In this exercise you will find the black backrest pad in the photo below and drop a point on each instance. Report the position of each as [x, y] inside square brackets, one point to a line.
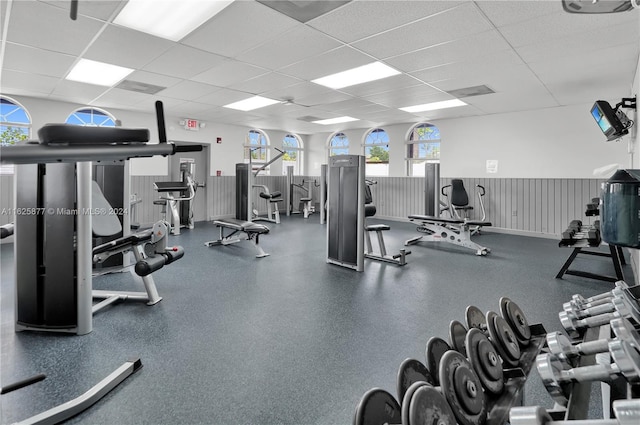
[69, 134]
[458, 193]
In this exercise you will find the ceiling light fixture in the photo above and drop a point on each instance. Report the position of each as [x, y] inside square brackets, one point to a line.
[335, 120]
[362, 74]
[99, 73]
[434, 106]
[168, 19]
[252, 103]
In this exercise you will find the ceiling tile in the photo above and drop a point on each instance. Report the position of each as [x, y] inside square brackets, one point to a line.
[265, 82]
[100, 9]
[77, 92]
[239, 27]
[562, 25]
[503, 13]
[30, 59]
[323, 98]
[125, 47]
[41, 84]
[450, 25]
[328, 63]
[153, 78]
[410, 96]
[223, 97]
[188, 90]
[292, 46]
[396, 82]
[228, 73]
[512, 101]
[360, 19]
[122, 98]
[183, 62]
[47, 27]
[459, 50]
[298, 91]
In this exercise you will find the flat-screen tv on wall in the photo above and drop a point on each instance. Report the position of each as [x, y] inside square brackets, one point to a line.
[613, 123]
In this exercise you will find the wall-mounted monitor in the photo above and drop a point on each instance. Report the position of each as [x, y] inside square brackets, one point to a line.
[613, 123]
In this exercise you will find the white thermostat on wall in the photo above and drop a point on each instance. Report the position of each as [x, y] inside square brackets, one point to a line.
[492, 166]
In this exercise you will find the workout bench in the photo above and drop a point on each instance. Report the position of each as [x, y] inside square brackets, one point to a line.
[451, 230]
[251, 231]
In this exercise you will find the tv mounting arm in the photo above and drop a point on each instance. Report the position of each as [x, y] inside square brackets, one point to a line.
[626, 102]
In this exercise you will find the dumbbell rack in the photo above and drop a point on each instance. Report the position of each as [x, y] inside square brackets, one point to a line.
[512, 395]
[579, 245]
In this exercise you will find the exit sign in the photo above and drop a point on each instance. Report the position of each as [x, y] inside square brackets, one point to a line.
[192, 125]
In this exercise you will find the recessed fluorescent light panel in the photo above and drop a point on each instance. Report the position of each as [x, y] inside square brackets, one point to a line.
[251, 103]
[99, 73]
[170, 19]
[335, 120]
[434, 106]
[362, 74]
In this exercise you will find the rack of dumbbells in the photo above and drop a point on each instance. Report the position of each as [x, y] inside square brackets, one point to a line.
[580, 237]
[474, 378]
[603, 345]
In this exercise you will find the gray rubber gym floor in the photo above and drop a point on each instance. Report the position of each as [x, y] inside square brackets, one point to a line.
[286, 339]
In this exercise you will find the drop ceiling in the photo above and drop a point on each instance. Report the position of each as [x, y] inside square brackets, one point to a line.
[531, 54]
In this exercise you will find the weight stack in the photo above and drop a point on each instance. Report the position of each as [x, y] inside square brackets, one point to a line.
[620, 212]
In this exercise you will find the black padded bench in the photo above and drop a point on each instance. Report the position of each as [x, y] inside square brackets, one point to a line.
[240, 230]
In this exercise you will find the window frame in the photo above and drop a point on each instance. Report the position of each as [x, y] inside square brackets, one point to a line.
[109, 121]
[298, 168]
[410, 142]
[368, 145]
[331, 147]
[25, 127]
[248, 145]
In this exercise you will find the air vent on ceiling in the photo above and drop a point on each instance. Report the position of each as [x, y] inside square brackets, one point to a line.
[139, 87]
[303, 10]
[470, 91]
[309, 118]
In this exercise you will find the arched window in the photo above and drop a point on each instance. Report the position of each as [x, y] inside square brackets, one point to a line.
[91, 117]
[376, 152]
[338, 144]
[256, 150]
[15, 126]
[292, 146]
[423, 145]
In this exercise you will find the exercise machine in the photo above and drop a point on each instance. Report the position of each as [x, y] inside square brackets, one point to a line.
[450, 230]
[245, 183]
[370, 210]
[345, 218]
[178, 209]
[306, 200]
[54, 180]
[458, 200]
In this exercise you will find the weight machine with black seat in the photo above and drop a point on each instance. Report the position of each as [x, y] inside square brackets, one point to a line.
[178, 209]
[458, 202]
[307, 186]
[54, 181]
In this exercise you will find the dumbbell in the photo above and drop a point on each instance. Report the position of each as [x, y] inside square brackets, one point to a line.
[626, 412]
[557, 375]
[574, 326]
[603, 305]
[580, 302]
[459, 384]
[481, 354]
[571, 230]
[560, 346]
[499, 331]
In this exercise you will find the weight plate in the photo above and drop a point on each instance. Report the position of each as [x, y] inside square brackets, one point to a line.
[485, 361]
[429, 407]
[462, 389]
[406, 404]
[549, 368]
[410, 372]
[436, 347]
[377, 407]
[457, 334]
[503, 339]
[475, 318]
[514, 316]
